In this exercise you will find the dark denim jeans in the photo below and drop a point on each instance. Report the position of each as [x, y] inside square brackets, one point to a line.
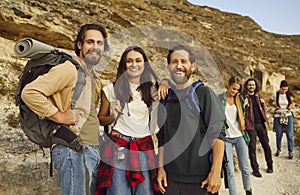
[261, 132]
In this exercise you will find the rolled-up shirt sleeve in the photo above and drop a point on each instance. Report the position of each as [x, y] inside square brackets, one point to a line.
[52, 91]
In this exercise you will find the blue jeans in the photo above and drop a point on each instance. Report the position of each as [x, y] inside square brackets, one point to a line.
[76, 168]
[242, 154]
[289, 130]
[120, 184]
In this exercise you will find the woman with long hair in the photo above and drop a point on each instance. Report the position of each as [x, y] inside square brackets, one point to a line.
[236, 136]
[128, 105]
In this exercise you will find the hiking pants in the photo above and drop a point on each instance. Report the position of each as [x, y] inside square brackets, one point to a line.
[261, 132]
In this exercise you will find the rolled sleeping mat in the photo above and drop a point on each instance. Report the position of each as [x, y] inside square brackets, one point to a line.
[33, 49]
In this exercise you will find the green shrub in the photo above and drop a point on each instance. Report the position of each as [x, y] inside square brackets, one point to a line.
[13, 120]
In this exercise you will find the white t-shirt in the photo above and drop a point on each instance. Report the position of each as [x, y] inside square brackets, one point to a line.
[231, 118]
[134, 121]
[283, 103]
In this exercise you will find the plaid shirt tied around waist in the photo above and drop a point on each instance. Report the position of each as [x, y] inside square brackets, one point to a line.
[133, 169]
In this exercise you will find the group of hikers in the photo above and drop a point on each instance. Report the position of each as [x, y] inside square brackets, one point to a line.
[194, 127]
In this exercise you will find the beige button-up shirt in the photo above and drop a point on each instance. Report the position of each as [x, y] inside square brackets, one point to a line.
[53, 92]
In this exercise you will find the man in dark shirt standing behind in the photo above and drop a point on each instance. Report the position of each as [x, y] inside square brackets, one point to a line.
[184, 147]
[254, 108]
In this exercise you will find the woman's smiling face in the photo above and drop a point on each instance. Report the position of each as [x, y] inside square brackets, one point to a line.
[233, 89]
[135, 64]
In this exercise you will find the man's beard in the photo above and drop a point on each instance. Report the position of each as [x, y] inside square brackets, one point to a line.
[250, 90]
[181, 80]
[90, 59]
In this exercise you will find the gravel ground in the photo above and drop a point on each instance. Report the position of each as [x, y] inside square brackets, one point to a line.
[286, 177]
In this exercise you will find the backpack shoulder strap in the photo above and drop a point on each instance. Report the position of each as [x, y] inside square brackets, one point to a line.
[194, 105]
[288, 96]
[68, 57]
[191, 102]
[165, 101]
[80, 83]
[277, 98]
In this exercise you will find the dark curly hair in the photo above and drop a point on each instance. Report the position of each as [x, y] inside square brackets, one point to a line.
[257, 84]
[81, 35]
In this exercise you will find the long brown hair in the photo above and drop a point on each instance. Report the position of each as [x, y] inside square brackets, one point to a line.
[122, 87]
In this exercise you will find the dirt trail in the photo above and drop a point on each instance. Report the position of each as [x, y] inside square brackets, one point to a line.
[286, 177]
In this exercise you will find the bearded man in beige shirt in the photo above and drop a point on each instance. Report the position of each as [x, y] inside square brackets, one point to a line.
[50, 96]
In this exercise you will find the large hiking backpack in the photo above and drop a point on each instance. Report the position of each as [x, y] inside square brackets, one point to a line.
[45, 132]
[196, 110]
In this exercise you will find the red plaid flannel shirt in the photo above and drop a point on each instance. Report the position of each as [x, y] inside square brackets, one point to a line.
[133, 173]
[248, 110]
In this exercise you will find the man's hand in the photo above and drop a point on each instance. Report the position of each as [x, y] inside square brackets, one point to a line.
[69, 117]
[162, 180]
[212, 182]
[163, 89]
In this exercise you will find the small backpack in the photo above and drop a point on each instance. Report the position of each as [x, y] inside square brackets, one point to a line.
[45, 132]
[288, 97]
[283, 119]
[195, 108]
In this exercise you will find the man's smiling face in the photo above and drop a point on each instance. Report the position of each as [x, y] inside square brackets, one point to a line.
[180, 67]
[92, 48]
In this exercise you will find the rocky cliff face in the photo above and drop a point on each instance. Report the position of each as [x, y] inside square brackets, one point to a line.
[233, 45]
[235, 42]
